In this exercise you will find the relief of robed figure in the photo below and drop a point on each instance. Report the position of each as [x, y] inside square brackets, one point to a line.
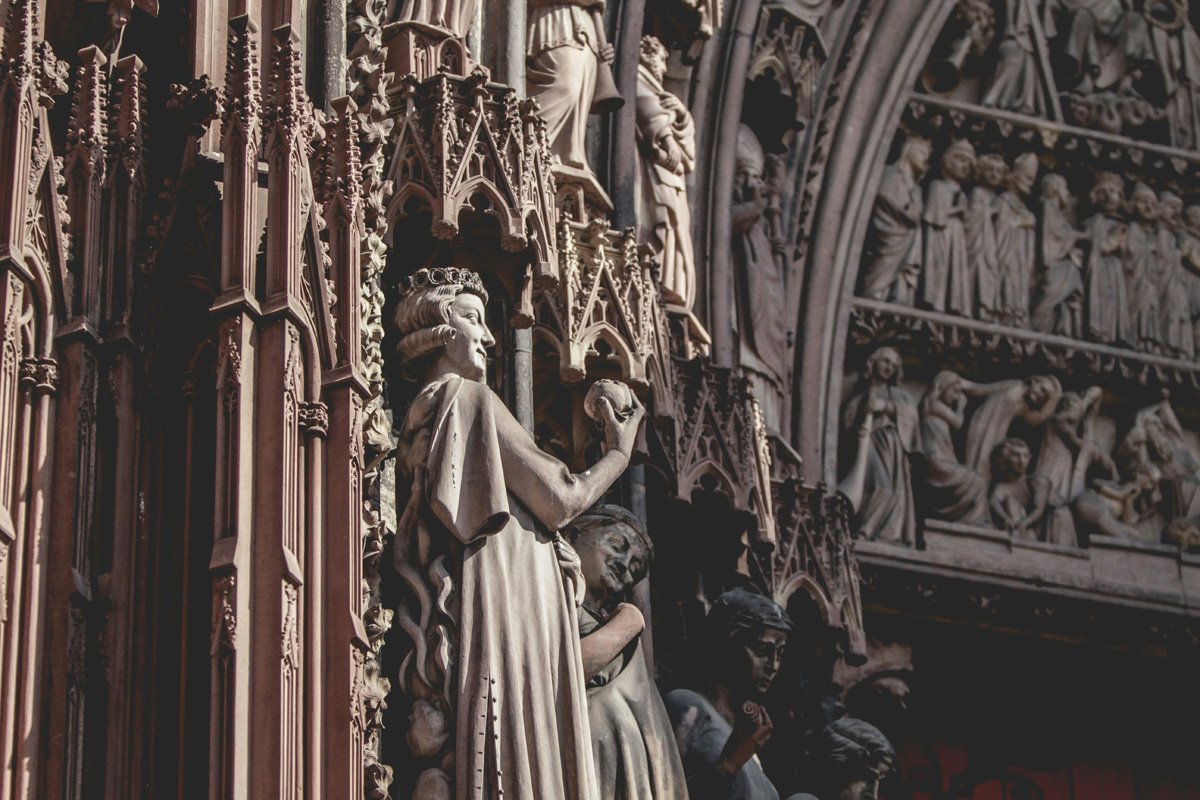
[491, 590]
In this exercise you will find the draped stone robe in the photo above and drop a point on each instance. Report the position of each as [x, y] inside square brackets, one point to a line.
[1106, 297]
[895, 245]
[664, 218]
[1060, 291]
[636, 754]
[948, 280]
[521, 706]
[1016, 253]
[888, 508]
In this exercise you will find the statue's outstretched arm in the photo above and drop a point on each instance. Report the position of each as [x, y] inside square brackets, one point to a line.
[544, 484]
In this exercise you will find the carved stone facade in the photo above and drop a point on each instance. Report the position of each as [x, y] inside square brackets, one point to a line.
[345, 346]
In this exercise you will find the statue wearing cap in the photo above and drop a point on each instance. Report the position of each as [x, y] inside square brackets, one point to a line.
[721, 729]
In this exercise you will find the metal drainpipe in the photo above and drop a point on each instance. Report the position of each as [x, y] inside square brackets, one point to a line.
[505, 27]
[623, 157]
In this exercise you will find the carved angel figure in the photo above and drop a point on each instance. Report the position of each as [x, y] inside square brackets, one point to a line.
[894, 244]
[666, 137]
[947, 281]
[491, 609]
[887, 511]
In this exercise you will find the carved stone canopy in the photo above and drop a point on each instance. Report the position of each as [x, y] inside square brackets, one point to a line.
[464, 147]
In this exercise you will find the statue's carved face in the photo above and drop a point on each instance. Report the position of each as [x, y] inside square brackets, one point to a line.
[1146, 205]
[885, 365]
[1171, 208]
[612, 558]
[1022, 181]
[748, 177]
[917, 154]
[1193, 217]
[991, 171]
[467, 351]
[957, 165]
[760, 656]
[1038, 391]
[1012, 461]
[1107, 196]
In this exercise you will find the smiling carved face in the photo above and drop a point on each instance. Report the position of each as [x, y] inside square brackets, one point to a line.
[612, 557]
[467, 350]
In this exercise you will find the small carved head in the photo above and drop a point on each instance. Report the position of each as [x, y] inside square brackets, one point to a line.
[1170, 208]
[750, 161]
[1193, 219]
[1109, 192]
[441, 313]
[915, 152]
[858, 756]
[885, 366]
[614, 550]
[947, 387]
[1010, 460]
[1054, 188]
[1024, 174]
[990, 170]
[1144, 202]
[1040, 388]
[750, 632]
[959, 160]
[653, 56]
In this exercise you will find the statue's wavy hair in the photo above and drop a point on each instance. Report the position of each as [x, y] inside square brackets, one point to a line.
[422, 318]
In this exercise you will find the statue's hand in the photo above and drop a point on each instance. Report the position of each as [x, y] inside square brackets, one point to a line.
[571, 566]
[751, 730]
[607, 53]
[620, 433]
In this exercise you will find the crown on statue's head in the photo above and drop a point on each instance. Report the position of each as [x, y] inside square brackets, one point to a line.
[430, 277]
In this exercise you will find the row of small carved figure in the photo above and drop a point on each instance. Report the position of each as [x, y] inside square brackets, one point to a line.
[908, 464]
[1115, 64]
[968, 244]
